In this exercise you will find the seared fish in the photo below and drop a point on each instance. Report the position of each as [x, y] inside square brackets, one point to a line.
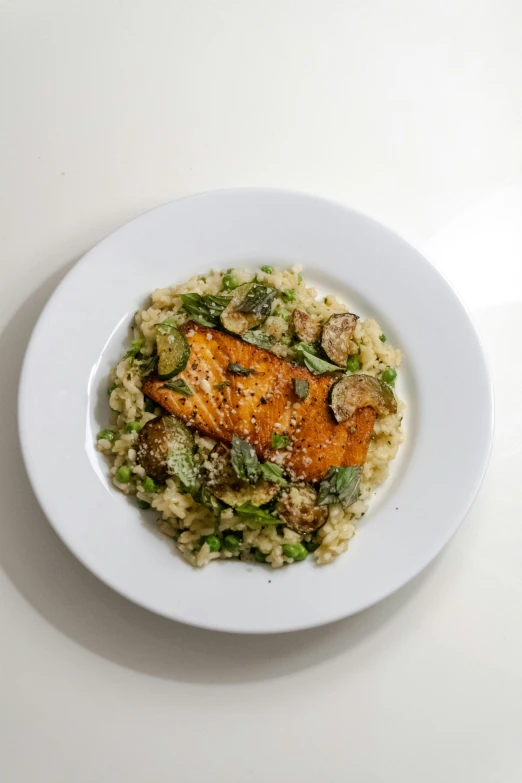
[256, 405]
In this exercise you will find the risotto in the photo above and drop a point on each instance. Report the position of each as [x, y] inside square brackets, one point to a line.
[276, 511]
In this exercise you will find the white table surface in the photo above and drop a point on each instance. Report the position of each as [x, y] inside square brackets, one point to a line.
[408, 110]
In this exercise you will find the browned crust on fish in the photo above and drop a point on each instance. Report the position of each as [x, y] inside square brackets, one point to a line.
[264, 402]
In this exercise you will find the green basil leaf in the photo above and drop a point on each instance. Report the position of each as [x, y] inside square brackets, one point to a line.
[244, 460]
[318, 366]
[301, 388]
[222, 385]
[258, 300]
[182, 466]
[166, 326]
[299, 350]
[238, 369]
[280, 441]
[136, 346]
[261, 339]
[273, 473]
[201, 495]
[340, 485]
[204, 309]
[256, 516]
[179, 385]
[149, 365]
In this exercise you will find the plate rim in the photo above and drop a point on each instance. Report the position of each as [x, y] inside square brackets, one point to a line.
[252, 191]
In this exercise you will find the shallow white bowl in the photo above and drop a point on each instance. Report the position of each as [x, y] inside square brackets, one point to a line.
[81, 334]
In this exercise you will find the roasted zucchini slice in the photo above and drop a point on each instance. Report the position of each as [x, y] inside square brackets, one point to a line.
[298, 509]
[306, 329]
[173, 352]
[221, 480]
[336, 336]
[361, 391]
[249, 307]
[165, 448]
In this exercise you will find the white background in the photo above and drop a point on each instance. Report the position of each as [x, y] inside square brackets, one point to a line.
[408, 110]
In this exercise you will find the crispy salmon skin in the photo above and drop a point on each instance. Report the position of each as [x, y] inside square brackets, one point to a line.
[256, 405]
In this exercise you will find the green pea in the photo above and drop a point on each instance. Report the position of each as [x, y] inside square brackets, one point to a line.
[150, 405]
[353, 364]
[231, 543]
[296, 551]
[230, 282]
[288, 295]
[105, 435]
[259, 556]
[149, 485]
[284, 314]
[382, 338]
[143, 504]
[311, 545]
[133, 426]
[389, 376]
[267, 269]
[214, 544]
[123, 474]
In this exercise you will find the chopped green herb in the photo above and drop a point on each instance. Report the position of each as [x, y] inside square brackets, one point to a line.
[259, 556]
[268, 270]
[143, 504]
[382, 338]
[166, 326]
[299, 278]
[111, 389]
[288, 295]
[318, 366]
[204, 309]
[299, 350]
[179, 386]
[340, 485]
[136, 346]
[353, 429]
[149, 365]
[280, 441]
[256, 516]
[261, 339]
[311, 545]
[201, 495]
[301, 388]
[273, 473]
[258, 300]
[150, 405]
[238, 369]
[182, 465]
[222, 385]
[244, 460]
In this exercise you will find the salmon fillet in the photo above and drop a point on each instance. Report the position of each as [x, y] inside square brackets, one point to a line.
[264, 402]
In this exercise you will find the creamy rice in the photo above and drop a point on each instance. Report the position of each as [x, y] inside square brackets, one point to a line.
[180, 517]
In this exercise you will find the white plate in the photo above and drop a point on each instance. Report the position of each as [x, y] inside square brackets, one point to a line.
[444, 379]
